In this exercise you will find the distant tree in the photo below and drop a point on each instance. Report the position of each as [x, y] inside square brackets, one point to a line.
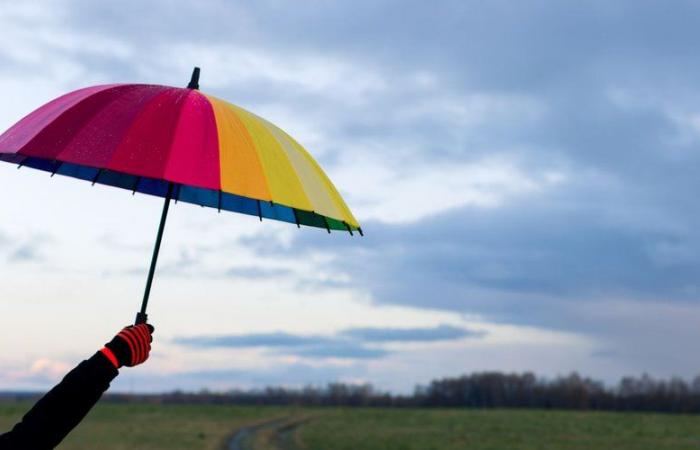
[476, 390]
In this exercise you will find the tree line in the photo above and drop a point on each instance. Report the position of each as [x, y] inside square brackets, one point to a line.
[477, 390]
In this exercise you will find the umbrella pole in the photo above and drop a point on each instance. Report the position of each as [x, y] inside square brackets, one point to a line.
[142, 317]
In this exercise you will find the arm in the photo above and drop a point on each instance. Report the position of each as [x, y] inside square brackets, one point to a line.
[64, 406]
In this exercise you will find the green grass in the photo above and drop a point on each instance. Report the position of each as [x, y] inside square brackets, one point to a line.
[499, 430]
[112, 427]
[150, 427]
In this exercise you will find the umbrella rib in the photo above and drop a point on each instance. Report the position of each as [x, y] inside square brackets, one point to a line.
[97, 175]
[296, 217]
[219, 204]
[177, 193]
[325, 221]
[348, 227]
[58, 166]
[259, 210]
[136, 185]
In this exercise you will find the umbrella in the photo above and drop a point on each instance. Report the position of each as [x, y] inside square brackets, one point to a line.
[178, 144]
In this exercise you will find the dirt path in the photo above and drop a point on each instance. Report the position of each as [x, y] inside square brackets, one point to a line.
[275, 434]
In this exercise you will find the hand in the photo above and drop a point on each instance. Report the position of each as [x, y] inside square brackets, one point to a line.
[130, 347]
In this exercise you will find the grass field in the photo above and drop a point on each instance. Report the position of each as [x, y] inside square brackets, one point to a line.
[112, 427]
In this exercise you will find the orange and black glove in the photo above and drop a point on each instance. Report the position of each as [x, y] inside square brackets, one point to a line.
[130, 347]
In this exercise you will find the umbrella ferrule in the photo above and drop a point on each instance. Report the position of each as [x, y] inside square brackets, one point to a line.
[194, 81]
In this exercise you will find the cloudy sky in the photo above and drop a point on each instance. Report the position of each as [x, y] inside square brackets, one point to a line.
[527, 174]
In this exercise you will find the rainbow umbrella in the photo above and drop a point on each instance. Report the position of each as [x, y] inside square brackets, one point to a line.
[178, 144]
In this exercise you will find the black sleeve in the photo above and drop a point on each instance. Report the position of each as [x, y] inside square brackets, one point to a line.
[62, 408]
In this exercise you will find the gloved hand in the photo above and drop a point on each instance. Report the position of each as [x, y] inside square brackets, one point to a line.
[130, 347]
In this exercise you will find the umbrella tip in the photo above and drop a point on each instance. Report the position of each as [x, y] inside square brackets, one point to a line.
[194, 81]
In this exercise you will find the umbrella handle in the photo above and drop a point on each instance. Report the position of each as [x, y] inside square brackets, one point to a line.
[141, 318]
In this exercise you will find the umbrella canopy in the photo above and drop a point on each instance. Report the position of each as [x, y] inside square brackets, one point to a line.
[178, 144]
[144, 137]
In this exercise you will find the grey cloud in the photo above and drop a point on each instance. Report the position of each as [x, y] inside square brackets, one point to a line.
[352, 343]
[528, 264]
[285, 343]
[252, 272]
[31, 248]
[253, 340]
[541, 35]
[439, 333]
[24, 253]
[341, 349]
[626, 277]
[185, 264]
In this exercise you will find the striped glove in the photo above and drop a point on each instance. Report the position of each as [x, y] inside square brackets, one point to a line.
[130, 347]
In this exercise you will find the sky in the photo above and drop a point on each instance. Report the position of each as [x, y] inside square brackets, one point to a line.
[526, 174]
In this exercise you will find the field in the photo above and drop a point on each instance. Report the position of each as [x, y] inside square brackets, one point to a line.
[172, 427]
